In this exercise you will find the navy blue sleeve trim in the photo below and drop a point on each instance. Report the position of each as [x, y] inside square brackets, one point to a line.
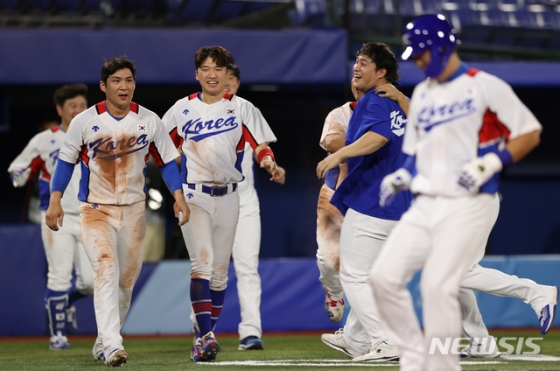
[410, 164]
[62, 176]
[171, 176]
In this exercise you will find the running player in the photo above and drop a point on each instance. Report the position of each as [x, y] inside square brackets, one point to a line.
[459, 120]
[212, 128]
[113, 141]
[64, 250]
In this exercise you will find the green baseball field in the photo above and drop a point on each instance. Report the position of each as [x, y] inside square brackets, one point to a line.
[294, 351]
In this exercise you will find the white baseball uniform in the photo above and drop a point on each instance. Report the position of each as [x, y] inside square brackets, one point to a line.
[329, 218]
[212, 138]
[449, 125]
[64, 249]
[245, 253]
[113, 153]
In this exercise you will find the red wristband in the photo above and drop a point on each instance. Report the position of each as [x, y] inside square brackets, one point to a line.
[265, 152]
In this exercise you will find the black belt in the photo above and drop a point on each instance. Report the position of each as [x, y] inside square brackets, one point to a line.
[214, 191]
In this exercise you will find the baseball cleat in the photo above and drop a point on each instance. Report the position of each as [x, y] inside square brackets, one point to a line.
[337, 342]
[251, 343]
[380, 352]
[484, 349]
[117, 358]
[548, 312]
[334, 307]
[210, 347]
[59, 342]
[196, 351]
[97, 351]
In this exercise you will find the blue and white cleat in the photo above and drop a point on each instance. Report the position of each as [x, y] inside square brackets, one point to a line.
[210, 347]
[548, 312]
[251, 343]
[59, 342]
[196, 351]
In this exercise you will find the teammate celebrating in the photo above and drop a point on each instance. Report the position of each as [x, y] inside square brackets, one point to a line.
[212, 128]
[459, 119]
[113, 141]
[372, 150]
[64, 250]
[247, 242]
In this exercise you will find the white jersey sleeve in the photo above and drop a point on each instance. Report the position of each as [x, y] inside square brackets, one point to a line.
[336, 122]
[254, 121]
[507, 106]
[30, 158]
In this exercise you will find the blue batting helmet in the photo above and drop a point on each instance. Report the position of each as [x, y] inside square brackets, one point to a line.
[430, 31]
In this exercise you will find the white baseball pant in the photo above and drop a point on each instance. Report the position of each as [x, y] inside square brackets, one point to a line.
[361, 240]
[246, 248]
[329, 224]
[209, 235]
[443, 236]
[495, 282]
[113, 238]
[64, 251]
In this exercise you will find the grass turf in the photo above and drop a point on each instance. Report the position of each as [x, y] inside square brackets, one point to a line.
[282, 352]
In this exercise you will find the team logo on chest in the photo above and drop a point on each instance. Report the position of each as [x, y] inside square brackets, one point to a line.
[107, 149]
[434, 115]
[197, 129]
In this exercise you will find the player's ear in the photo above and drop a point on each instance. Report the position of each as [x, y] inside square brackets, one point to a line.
[102, 87]
[59, 110]
[381, 73]
[196, 74]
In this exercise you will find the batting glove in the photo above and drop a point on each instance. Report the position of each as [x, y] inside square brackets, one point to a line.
[393, 184]
[19, 178]
[477, 172]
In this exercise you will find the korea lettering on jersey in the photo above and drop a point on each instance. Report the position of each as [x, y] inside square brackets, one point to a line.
[204, 130]
[336, 122]
[113, 153]
[40, 155]
[454, 122]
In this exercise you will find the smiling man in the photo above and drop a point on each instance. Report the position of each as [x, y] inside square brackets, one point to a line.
[372, 150]
[113, 141]
[211, 128]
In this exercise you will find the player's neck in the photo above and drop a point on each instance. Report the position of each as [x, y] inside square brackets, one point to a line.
[117, 111]
[64, 126]
[209, 98]
[452, 66]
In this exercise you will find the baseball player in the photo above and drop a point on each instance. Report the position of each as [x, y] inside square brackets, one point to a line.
[113, 141]
[247, 243]
[64, 250]
[212, 128]
[459, 120]
[372, 150]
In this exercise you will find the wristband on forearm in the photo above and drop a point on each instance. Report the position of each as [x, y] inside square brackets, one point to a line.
[505, 156]
[265, 152]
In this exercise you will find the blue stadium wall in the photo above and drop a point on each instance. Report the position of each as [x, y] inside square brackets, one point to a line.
[292, 298]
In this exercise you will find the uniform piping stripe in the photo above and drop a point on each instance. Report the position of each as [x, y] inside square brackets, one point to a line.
[193, 96]
[134, 107]
[56, 128]
[249, 137]
[228, 96]
[472, 71]
[155, 154]
[492, 129]
[175, 137]
[353, 105]
[100, 108]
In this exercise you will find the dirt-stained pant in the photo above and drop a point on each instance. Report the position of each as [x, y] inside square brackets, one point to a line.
[329, 224]
[113, 238]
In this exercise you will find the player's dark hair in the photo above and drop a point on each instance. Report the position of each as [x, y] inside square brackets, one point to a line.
[114, 64]
[219, 55]
[383, 56]
[235, 71]
[62, 94]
